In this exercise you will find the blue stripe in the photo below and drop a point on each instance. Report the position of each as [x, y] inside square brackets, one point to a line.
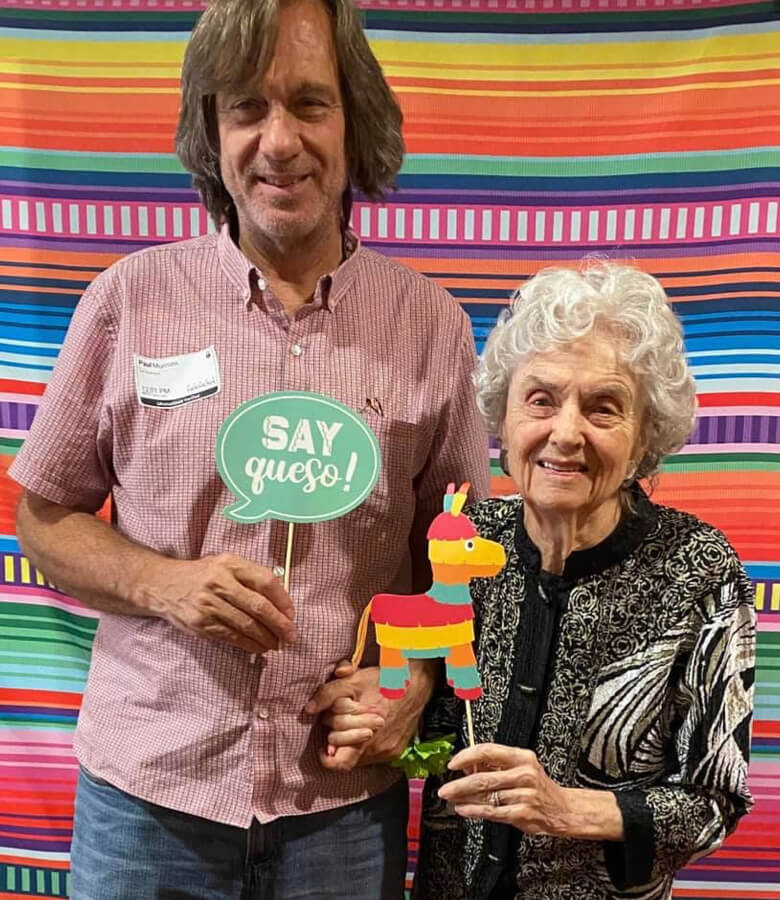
[730, 342]
[565, 32]
[23, 351]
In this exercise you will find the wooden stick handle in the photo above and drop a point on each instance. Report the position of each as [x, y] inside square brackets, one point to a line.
[469, 723]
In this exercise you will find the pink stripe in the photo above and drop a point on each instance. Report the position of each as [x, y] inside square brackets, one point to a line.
[739, 411]
[730, 448]
[88, 218]
[19, 398]
[41, 739]
[55, 757]
[485, 6]
[43, 773]
[33, 598]
[481, 224]
[43, 786]
[13, 433]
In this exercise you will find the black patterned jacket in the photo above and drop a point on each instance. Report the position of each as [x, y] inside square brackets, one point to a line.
[650, 695]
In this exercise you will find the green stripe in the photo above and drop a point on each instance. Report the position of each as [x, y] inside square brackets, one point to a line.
[10, 446]
[722, 462]
[10, 659]
[41, 647]
[61, 636]
[95, 162]
[585, 19]
[595, 166]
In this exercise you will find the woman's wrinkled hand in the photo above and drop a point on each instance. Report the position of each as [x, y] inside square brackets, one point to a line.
[508, 785]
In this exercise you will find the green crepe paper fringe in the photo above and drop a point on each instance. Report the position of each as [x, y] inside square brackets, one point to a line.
[424, 758]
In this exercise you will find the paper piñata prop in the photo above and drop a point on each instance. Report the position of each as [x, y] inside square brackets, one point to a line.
[439, 623]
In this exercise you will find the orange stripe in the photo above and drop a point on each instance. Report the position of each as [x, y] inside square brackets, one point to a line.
[514, 83]
[592, 142]
[53, 272]
[46, 289]
[32, 254]
[87, 142]
[566, 108]
[679, 265]
[87, 81]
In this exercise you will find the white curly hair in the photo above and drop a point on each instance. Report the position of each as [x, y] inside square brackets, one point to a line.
[558, 306]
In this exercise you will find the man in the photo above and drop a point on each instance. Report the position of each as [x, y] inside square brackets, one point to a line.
[205, 771]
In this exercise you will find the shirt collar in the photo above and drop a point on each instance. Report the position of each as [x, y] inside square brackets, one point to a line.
[247, 277]
[628, 534]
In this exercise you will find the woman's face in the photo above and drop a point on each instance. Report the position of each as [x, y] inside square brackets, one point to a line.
[572, 428]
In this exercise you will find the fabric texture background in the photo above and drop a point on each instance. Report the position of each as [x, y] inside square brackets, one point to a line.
[537, 131]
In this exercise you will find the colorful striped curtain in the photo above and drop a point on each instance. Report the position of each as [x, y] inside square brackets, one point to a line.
[537, 131]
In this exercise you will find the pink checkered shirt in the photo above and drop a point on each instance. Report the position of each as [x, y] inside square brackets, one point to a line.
[178, 720]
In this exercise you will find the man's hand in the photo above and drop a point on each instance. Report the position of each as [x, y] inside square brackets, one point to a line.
[225, 598]
[364, 727]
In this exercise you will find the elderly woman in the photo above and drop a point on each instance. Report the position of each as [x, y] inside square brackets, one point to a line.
[617, 646]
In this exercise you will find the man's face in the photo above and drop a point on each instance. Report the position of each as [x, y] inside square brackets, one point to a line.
[282, 153]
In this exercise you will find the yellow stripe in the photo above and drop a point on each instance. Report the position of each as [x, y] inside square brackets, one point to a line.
[424, 638]
[9, 569]
[88, 89]
[139, 53]
[590, 92]
[75, 70]
[516, 73]
[39, 579]
[774, 603]
[24, 570]
[726, 52]
[760, 588]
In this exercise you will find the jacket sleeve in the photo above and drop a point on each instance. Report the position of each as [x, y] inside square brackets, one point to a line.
[458, 453]
[690, 813]
[439, 874]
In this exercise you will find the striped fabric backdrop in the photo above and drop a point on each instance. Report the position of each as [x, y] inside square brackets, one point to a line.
[537, 130]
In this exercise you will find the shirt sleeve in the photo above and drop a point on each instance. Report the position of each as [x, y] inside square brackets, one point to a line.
[459, 452]
[66, 457]
[689, 815]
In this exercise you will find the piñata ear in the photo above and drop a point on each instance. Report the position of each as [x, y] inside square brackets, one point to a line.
[459, 499]
[449, 496]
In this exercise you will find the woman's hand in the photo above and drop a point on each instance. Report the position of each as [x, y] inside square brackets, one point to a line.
[508, 785]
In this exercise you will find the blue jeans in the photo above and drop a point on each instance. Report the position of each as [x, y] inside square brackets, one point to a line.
[125, 848]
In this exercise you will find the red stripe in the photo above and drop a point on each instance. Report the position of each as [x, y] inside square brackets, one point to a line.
[417, 610]
[747, 398]
[21, 387]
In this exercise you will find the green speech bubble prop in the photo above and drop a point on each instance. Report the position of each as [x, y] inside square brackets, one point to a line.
[296, 456]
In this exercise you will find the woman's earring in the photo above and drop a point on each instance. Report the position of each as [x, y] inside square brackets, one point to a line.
[502, 461]
[630, 473]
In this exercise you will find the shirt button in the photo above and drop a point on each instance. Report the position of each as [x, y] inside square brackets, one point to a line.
[262, 712]
[262, 283]
[278, 571]
[296, 349]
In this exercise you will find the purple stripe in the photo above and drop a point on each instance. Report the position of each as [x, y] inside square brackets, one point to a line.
[735, 430]
[38, 711]
[80, 246]
[53, 833]
[16, 415]
[109, 194]
[61, 846]
[623, 250]
[602, 198]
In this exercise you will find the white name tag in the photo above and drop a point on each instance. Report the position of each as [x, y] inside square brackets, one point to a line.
[176, 380]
